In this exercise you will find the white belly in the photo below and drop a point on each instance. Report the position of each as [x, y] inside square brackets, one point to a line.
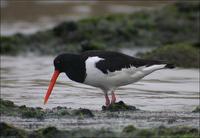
[112, 80]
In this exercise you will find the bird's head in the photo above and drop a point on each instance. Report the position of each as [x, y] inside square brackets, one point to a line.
[62, 63]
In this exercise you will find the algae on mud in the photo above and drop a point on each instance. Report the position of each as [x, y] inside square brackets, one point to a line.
[10, 109]
[181, 54]
[50, 129]
[119, 106]
[10, 131]
[175, 23]
[128, 132]
[197, 109]
[119, 115]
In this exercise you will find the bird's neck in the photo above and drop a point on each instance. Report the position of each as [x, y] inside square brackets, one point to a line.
[77, 71]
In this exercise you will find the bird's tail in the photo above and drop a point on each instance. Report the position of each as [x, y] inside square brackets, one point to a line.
[169, 66]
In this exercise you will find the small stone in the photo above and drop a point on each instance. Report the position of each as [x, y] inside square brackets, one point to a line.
[22, 107]
[84, 113]
[129, 128]
[197, 109]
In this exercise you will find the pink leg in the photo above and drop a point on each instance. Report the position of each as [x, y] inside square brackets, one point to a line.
[113, 97]
[107, 100]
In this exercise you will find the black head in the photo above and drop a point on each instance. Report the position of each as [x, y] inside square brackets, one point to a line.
[64, 62]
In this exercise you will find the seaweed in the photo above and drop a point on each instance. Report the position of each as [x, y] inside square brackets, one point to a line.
[10, 109]
[181, 54]
[174, 23]
[128, 132]
[119, 106]
[197, 109]
[83, 113]
[10, 131]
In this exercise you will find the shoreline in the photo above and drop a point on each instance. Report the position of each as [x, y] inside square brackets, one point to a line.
[67, 118]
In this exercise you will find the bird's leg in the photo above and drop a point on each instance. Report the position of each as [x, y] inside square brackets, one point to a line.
[107, 100]
[113, 97]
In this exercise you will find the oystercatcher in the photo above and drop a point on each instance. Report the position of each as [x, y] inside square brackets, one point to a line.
[105, 70]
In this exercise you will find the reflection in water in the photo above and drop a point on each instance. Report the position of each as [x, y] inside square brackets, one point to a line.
[47, 13]
[24, 80]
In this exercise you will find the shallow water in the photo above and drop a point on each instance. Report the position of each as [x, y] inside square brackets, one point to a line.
[24, 80]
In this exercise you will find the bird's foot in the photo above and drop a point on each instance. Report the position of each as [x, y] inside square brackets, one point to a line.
[113, 98]
[107, 102]
[113, 101]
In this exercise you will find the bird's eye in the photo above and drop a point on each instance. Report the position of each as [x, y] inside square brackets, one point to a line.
[58, 62]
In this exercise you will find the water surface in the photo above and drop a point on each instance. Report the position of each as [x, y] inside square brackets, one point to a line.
[24, 80]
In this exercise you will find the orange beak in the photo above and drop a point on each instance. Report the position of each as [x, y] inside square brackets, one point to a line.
[51, 85]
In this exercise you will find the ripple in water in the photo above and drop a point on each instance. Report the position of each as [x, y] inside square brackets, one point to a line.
[24, 80]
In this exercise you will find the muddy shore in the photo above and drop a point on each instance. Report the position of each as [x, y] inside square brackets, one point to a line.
[121, 122]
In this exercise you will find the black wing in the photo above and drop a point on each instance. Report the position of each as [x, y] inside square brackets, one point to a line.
[114, 61]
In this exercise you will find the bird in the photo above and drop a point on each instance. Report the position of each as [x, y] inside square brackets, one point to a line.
[107, 70]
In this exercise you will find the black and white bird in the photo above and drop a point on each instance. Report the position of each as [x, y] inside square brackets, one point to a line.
[105, 70]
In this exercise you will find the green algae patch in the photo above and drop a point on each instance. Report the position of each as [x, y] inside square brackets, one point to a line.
[52, 132]
[177, 132]
[90, 45]
[129, 129]
[61, 111]
[10, 131]
[197, 109]
[12, 44]
[32, 113]
[49, 132]
[10, 109]
[182, 55]
[119, 106]
[83, 113]
[7, 103]
[143, 133]
[173, 23]
[128, 132]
